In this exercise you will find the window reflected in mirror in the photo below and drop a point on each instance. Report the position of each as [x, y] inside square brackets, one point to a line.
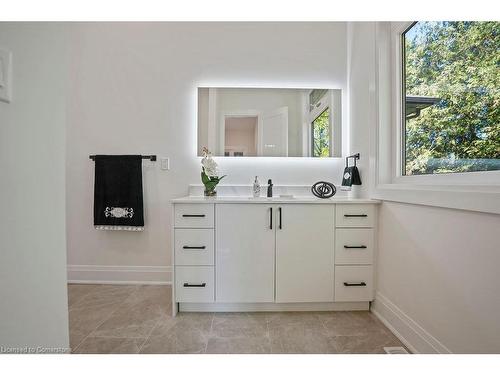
[321, 135]
[321, 123]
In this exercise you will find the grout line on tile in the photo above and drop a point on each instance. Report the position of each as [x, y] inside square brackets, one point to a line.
[99, 324]
[151, 331]
[81, 297]
[323, 324]
[210, 333]
[98, 292]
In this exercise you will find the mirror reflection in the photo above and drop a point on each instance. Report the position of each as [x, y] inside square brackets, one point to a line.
[247, 122]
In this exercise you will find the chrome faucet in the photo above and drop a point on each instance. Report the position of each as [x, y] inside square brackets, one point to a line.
[269, 188]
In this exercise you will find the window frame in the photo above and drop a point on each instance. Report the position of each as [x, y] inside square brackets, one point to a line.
[398, 30]
[475, 191]
[330, 100]
[324, 104]
[403, 98]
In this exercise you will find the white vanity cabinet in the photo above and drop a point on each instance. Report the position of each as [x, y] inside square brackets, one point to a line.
[240, 254]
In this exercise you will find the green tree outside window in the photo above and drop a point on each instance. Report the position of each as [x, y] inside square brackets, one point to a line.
[458, 63]
[321, 135]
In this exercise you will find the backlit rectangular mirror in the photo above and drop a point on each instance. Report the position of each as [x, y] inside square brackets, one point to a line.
[249, 122]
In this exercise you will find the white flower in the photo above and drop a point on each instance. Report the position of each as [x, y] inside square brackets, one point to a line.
[209, 164]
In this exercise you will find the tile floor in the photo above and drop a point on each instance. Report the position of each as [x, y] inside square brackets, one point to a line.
[137, 319]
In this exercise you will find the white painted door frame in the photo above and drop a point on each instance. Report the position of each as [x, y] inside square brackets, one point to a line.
[242, 113]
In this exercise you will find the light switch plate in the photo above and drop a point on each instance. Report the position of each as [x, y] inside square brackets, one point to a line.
[5, 75]
[165, 164]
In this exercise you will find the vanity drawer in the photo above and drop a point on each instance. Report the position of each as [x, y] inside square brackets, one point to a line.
[354, 245]
[194, 247]
[194, 215]
[353, 283]
[355, 215]
[194, 284]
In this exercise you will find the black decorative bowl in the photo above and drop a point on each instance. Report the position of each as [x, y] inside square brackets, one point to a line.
[323, 189]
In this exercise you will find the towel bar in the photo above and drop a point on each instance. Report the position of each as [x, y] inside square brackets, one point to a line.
[355, 157]
[150, 157]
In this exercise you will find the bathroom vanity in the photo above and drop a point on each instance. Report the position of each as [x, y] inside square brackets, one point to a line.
[271, 254]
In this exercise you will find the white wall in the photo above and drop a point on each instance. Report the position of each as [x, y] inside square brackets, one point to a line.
[439, 267]
[33, 302]
[361, 87]
[133, 90]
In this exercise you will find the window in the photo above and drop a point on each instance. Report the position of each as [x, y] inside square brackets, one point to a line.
[316, 97]
[320, 129]
[320, 119]
[451, 107]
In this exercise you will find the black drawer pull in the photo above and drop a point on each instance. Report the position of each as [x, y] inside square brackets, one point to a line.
[187, 285]
[279, 209]
[193, 215]
[354, 247]
[270, 218]
[358, 215]
[194, 247]
[355, 284]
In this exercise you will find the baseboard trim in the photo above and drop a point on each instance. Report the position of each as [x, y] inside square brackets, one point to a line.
[411, 334]
[89, 274]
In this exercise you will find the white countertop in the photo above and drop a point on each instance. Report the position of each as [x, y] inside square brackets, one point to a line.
[277, 199]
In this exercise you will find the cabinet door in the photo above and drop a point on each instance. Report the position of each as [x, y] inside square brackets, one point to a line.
[304, 253]
[244, 254]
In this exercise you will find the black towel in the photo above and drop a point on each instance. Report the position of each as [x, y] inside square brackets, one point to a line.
[118, 192]
[351, 176]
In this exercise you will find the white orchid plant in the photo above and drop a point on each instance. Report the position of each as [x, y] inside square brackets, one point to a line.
[209, 172]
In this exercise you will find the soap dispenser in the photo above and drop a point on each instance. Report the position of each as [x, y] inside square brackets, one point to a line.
[269, 188]
[256, 188]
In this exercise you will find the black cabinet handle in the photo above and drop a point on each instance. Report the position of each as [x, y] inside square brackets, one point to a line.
[270, 218]
[355, 284]
[354, 247]
[279, 210]
[194, 247]
[187, 285]
[193, 215]
[358, 215]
